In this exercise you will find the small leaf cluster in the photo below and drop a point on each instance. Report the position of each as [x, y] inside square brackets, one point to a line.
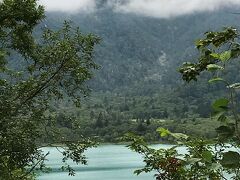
[216, 47]
[199, 162]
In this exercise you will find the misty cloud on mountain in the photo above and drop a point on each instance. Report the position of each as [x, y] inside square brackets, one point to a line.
[172, 8]
[69, 6]
[151, 8]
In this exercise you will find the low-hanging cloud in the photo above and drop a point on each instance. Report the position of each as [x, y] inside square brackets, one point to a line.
[153, 8]
[69, 6]
[172, 8]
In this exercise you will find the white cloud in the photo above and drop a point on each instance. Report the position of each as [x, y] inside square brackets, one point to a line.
[153, 8]
[172, 8]
[70, 6]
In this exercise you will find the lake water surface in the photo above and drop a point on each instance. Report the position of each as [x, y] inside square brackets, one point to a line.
[107, 162]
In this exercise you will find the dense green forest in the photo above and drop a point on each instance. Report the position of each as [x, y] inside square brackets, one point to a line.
[138, 87]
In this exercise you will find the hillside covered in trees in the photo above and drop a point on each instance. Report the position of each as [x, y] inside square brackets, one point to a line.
[138, 86]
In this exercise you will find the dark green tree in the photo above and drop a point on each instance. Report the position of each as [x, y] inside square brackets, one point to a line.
[33, 73]
[99, 121]
[165, 113]
[148, 122]
[141, 128]
[92, 115]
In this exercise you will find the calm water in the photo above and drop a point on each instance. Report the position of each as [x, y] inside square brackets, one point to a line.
[107, 162]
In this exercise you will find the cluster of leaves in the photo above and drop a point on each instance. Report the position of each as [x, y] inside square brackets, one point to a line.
[222, 48]
[212, 52]
[50, 68]
[204, 159]
[165, 161]
[199, 162]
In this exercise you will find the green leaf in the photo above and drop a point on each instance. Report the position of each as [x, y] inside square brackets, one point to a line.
[231, 159]
[163, 132]
[220, 105]
[234, 86]
[179, 135]
[215, 166]
[216, 79]
[199, 43]
[193, 160]
[225, 56]
[215, 55]
[214, 67]
[3, 82]
[138, 171]
[207, 156]
[222, 118]
[225, 131]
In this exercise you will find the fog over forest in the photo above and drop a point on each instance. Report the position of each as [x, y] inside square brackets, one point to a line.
[152, 8]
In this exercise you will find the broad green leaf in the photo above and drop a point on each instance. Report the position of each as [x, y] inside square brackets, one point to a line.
[216, 79]
[225, 56]
[214, 67]
[163, 132]
[231, 159]
[207, 155]
[220, 105]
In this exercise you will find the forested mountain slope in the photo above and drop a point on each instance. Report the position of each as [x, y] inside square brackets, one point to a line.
[137, 49]
[138, 87]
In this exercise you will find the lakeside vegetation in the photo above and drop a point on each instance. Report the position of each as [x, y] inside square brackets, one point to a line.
[109, 120]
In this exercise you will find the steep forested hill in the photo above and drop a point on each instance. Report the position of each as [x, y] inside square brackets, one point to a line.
[138, 87]
[137, 49]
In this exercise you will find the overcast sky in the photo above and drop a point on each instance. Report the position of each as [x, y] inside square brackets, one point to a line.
[71, 6]
[154, 8]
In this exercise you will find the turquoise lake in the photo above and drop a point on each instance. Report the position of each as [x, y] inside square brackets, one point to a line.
[107, 162]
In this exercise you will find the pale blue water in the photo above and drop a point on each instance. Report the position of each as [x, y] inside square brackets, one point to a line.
[107, 162]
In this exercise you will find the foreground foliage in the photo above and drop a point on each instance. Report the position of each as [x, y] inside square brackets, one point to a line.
[55, 66]
[203, 159]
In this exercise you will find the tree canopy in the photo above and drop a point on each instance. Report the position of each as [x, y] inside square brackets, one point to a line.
[49, 68]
